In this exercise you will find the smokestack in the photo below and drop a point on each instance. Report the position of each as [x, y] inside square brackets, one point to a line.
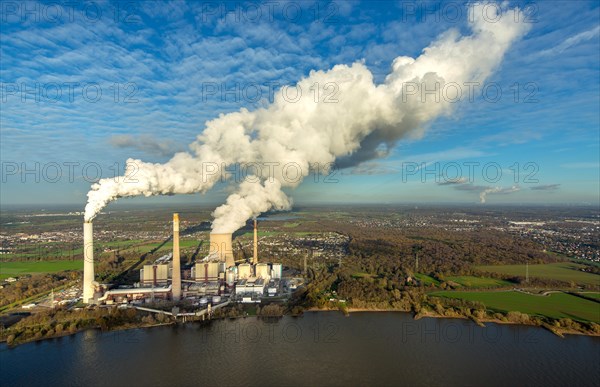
[255, 256]
[221, 243]
[88, 262]
[176, 281]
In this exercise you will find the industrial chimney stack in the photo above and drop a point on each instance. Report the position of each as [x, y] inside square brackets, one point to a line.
[176, 282]
[88, 262]
[255, 256]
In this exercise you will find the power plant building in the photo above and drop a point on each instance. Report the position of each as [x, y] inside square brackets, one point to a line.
[215, 275]
[244, 271]
[154, 275]
[250, 286]
[276, 271]
[262, 271]
[206, 271]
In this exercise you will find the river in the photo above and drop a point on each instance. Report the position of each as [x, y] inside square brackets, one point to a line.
[319, 348]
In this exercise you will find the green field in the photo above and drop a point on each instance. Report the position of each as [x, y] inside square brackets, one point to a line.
[478, 282]
[563, 271]
[591, 295]
[426, 280]
[555, 305]
[11, 269]
[362, 275]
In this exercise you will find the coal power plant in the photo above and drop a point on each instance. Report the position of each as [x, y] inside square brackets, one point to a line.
[215, 279]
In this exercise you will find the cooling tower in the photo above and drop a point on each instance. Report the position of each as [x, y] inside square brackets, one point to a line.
[221, 244]
[176, 283]
[255, 256]
[88, 262]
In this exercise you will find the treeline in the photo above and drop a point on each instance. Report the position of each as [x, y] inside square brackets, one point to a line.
[27, 287]
[440, 251]
[59, 322]
[363, 292]
[450, 307]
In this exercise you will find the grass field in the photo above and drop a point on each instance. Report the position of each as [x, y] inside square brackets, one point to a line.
[563, 271]
[478, 282]
[426, 280]
[555, 305]
[591, 295]
[362, 275]
[11, 269]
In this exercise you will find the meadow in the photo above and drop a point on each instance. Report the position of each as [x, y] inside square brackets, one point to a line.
[11, 269]
[478, 282]
[563, 271]
[554, 305]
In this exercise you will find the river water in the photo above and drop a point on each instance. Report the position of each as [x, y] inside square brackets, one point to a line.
[319, 348]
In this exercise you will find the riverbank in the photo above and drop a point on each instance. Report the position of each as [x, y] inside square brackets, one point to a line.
[144, 323]
[559, 331]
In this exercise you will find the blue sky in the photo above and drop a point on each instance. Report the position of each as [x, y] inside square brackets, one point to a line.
[155, 62]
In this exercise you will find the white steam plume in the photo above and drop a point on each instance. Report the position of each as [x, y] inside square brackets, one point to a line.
[366, 117]
[497, 190]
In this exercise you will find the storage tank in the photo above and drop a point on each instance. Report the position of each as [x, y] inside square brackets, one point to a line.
[230, 278]
[216, 299]
[203, 301]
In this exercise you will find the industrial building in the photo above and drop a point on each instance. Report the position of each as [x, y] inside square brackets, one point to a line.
[215, 275]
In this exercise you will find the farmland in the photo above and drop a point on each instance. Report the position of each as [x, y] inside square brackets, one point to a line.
[555, 305]
[563, 271]
[10, 269]
[478, 282]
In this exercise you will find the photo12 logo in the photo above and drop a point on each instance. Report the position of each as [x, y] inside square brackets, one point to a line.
[68, 92]
[252, 92]
[212, 12]
[457, 12]
[70, 11]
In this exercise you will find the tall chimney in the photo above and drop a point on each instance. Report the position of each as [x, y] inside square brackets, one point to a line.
[255, 256]
[88, 262]
[176, 281]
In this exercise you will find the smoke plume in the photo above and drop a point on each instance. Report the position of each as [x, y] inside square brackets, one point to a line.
[497, 190]
[366, 118]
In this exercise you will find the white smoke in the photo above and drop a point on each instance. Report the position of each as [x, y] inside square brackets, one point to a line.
[253, 199]
[365, 117]
[497, 190]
